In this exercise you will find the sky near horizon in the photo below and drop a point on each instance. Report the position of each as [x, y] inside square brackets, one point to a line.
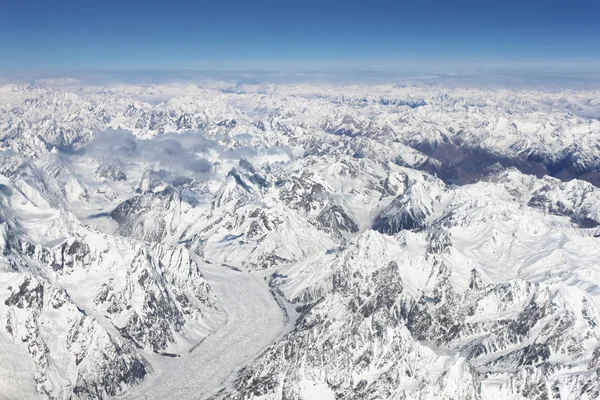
[37, 35]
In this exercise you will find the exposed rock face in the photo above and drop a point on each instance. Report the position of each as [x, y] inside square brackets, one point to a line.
[133, 215]
[335, 218]
[410, 210]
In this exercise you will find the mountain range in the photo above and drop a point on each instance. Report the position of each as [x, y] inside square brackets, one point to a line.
[298, 241]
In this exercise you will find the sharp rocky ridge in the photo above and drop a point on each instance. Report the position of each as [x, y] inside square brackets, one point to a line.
[422, 242]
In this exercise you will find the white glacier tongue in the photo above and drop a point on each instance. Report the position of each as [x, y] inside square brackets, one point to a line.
[298, 241]
[252, 321]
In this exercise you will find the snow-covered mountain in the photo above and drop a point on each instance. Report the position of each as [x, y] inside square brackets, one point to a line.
[417, 242]
[79, 302]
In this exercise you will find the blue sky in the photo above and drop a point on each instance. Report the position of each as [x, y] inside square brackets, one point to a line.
[38, 35]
